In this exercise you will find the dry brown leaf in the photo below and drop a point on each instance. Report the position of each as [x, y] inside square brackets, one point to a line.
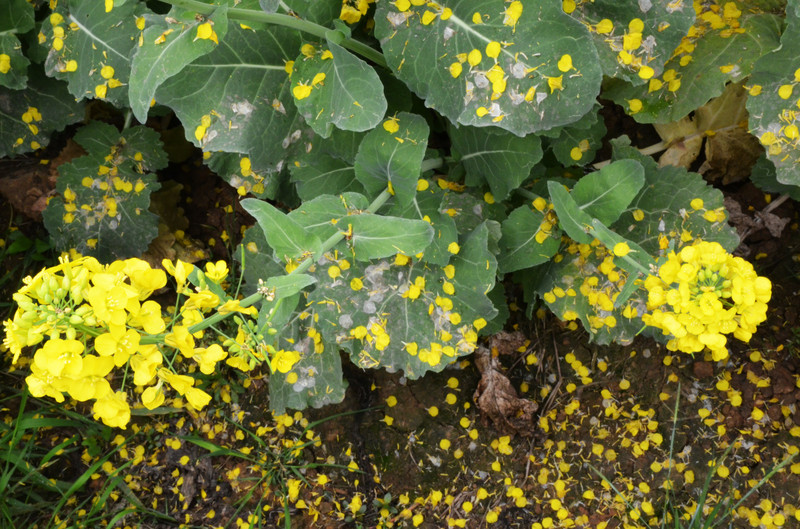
[498, 401]
[506, 342]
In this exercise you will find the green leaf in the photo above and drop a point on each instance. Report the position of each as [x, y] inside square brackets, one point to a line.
[571, 218]
[140, 144]
[322, 12]
[500, 159]
[475, 274]
[269, 6]
[254, 115]
[577, 144]
[103, 201]
[773, 104]
[533, 67]
[665, 205]
[605, 194]
[764, 176]
[701, 67]
[427, 206]
[520, 247]
[322, 174]
[378, 236]
[166, 46]
[344, 91]
[28, 116]
[16, 18]
[321, 215]
[287, 238]
[236, 169]
[99, 43]
[407, 316]
[392, 154]
[319, 379]
[582, 286]
[649, 28]
[289, 285]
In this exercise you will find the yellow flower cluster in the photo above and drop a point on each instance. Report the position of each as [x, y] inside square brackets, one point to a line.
[703, 293]
[91, 319]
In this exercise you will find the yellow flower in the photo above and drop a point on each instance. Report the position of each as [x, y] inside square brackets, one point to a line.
[283, 361]
[206, 31]
[217, 272]
[621, 249]
[113, 410]
[702, 294]
[153, 397]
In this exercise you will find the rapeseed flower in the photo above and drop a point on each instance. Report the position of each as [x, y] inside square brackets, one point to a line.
[703, 293]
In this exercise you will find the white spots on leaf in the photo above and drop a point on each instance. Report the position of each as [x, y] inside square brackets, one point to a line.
[518, 70]
[244, 108]
[292, 138]
[398, 19]
[540, 96]
[277, 105]
[645, 5]
[448, 33]
[480, 80]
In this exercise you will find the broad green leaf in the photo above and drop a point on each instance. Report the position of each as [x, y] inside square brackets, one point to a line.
[322, 174]
[287, 238]
[16, 18]
[632, 34]
[316, 380]
[403, 314]
[583, 285]
[378, 236]
[254, 115]
[605, 194]
[392, 154]
[269, 6]
[322, 12]
[427, 206]
[237, 170]
[722, 49]
[521, 249]
[576, 144]
[166, 46]
[140, 144]
[91, 49]
[521, 66]
[662, 210]
[29, 116]
[764, 176]
[333, 87]
[475, 274]
[497, 158]
[773, 103]
[321, 215]
[571, 218]
[103, 201]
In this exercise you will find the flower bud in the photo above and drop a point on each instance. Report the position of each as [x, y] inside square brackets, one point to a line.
[71, 333]
[75, 319]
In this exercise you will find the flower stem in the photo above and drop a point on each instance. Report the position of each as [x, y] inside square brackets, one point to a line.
[252, 15]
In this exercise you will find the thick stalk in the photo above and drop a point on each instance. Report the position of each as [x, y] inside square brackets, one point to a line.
[251, 15]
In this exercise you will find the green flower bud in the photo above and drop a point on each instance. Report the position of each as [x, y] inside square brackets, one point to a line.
[71, 333]
[75, 319]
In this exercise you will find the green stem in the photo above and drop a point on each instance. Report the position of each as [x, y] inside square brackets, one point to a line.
[251, 15]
